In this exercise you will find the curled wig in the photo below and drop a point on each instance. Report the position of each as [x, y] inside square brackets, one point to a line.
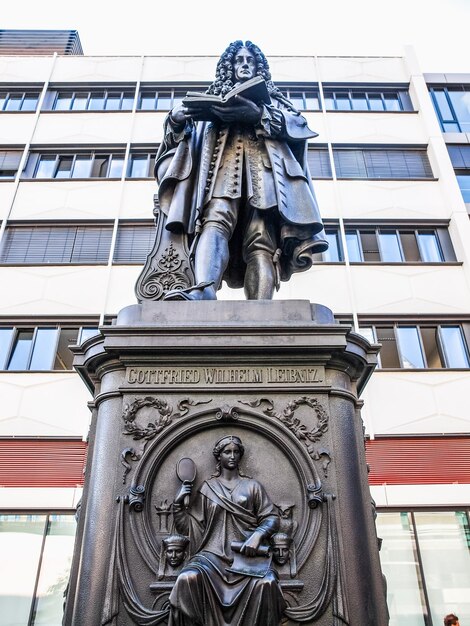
[224, 76]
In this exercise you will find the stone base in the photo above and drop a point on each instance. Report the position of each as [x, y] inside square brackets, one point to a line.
[169, 379]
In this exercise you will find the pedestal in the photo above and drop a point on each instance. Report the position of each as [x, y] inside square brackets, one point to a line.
[170, 379]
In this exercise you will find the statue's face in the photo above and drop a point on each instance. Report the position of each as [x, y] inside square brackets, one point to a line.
[280, 553]
[230, 456]
[175, 555]
[244, 65]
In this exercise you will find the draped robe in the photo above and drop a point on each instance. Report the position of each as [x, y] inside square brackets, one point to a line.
[205, 593]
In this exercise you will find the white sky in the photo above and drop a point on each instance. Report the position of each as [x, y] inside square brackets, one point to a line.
[439, 30]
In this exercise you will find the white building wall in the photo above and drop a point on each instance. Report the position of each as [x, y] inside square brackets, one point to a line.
[416, 402]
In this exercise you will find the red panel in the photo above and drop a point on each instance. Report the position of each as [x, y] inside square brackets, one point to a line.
[393, 461]
[419, 460]
[41, 463]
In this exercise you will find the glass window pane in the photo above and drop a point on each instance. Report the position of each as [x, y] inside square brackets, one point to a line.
[354, 247]
[370, 247]
[390, 251]
[332, 254]
[453, 345]
[444, 546]
[375, 102]
[3, 98]
[64, 358]
[115, 170]
[80, 102]
[392, 102]
[443, 104]
[96, 101]
[329, 101]
[21, 539]
[46, 167]
[100, 166]
[399, 562]
[63, 102]
[368, 333]
[64, 167]
[113, 102]
[86, 333]
[410, 347]
[429, 338]
[44, 349]
[82, 167]
[464, 184]
[127, 101]
[342, 102]
[6, 336]
[139, 166]
[461, 103]
[30, 102]
[14, 102]
[19, 358]
[147, 101]
[359, 102]
[405, 100]
[164, 101]
[55, 569]
[410, 247]
[388, 352]
[429, 248]
[312, 101]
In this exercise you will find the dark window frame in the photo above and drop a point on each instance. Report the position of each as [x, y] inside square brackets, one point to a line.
[82, 236]
[35, 156]
[331, 93]
[7, 94]
[440, 232]
[443, 121]
[368, 158]
[17, 328]
[463, 326]
[54, 94]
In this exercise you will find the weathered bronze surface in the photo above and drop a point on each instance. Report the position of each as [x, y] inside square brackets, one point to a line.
[166, 536]
[236, 199]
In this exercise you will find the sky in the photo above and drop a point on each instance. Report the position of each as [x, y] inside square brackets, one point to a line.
[437, 29]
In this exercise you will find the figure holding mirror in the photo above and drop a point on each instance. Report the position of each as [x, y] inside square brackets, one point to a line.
[229, 579]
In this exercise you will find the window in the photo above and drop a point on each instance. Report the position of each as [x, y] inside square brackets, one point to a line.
[18, 100]
[319, 162]
[386, 244]
[367, 99]
[417, 548]
[38, 549]
[421, 346]
[165, 97]
[303, 98]
[90, 100]
[41, 244]
[40, 348]
[382, 163]
[460, 157]
[9, 163]
[67, 165]
[141, 164]
[134, 242]
[452, 106]
[334, 254]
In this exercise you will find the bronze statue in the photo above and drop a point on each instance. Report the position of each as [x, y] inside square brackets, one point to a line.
[173, 553]
[234, 179]
[229, 579]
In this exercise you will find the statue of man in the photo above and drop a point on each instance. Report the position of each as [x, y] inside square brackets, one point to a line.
[235, 179]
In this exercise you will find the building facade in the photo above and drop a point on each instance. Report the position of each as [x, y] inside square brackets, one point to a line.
[391, 168]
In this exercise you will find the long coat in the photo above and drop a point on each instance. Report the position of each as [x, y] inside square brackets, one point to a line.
[198, 162]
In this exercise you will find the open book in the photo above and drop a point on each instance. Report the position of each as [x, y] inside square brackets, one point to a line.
[254, 89]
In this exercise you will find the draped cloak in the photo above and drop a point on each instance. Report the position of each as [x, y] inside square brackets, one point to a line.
[205, 593]
[197, 162]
